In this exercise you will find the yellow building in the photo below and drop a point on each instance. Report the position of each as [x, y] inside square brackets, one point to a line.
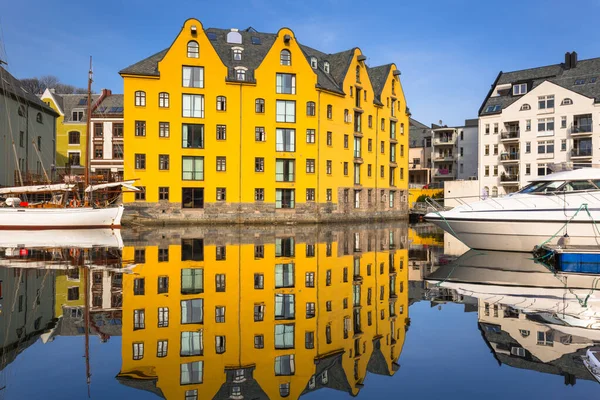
[240, 125]
[265, 319]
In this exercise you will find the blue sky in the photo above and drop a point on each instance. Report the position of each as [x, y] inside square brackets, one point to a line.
[449, 52]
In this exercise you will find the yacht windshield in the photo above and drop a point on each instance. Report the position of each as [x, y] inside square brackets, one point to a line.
[579, 185]
[543, 187]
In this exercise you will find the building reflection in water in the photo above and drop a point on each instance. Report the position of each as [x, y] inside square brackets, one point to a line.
[240, 314]
[529, 317]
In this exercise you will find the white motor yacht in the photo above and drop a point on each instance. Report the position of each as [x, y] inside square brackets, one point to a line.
[552, 206]
[591, 360]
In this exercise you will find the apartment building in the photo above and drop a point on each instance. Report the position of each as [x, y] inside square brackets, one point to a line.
[242, 125]
[419, 157]
[454, 152]
[268, 317]
[106, 132]
[534, 118]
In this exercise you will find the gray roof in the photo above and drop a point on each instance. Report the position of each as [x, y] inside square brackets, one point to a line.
[557, 74]
[254, 54]
[11, 85]
[417, 133]
[108, 104]
[146, 384]
[336, 376]
[72, 101]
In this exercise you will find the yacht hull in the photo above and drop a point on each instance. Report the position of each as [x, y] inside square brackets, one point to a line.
[515, 235]
[60, 218]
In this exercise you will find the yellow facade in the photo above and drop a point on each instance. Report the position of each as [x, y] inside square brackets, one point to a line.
[335, 331]
[341, 151]
[70, 289]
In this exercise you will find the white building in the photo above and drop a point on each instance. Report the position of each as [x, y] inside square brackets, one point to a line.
[536, 117]
[467, 146]
[106, 144]
[454, 152]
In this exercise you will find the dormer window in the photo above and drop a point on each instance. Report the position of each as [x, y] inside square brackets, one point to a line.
[525, 107]
[566, 102]
[495, 108]
[593, 80]
[193, 50]
[234, 37]
[240, 74]
[285, 57]
[579, 81]
[519, 89]
[326, 67]
[237, 53]
[313, 62]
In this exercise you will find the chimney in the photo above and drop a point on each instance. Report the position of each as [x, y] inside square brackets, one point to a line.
[573, 59]
[106, 93]
[567, 60]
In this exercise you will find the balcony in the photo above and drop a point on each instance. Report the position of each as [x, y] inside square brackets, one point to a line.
[509, 179]
[578, 153]
[581, 128]
[506, 158]
[440, 141]
[443, 173]
[444, 157]
[509, 136]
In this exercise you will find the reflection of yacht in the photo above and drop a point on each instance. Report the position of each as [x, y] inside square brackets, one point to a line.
[522, 220]
[591, 360]
[82, 238]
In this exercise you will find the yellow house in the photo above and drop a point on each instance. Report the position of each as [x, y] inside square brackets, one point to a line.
[264, 319]
[237, 126]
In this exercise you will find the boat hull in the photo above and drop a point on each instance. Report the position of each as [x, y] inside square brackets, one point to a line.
[60, 218]
[514, 235]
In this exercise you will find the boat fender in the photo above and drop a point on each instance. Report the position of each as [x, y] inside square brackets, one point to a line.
[74, 203]
[13, 202]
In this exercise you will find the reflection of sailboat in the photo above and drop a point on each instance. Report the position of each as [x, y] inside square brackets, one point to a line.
[52, 238]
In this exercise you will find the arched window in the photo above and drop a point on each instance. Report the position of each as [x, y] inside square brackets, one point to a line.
[346, 116]
[525, 107]
[260, 106]
[383, 124]
[74, 137]
[370, 121]
[358, 73]
[140, 98]
[163, 100]
[284, 389]
[326, 67]
[494, 191]
[237, 54]
[310, 109]
[240, 74]
[566, 102]
[393, 86]
[402, 129]
[485, 193]
[329, 111]
[38, 118]
[313, 62]
[285, 57]
[221, 103]
[193, 50]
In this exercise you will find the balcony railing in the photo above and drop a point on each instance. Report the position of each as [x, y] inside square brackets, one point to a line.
[586, 127]
[444, 157]
[444, 140]
[509, 178]
[510, 134]
[509, 156]
[443, 172]
[576, 152]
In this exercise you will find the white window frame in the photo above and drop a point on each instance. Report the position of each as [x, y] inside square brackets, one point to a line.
[188, 73]
[285, 111]
[192, 105]
[280, 84]
[519, 89]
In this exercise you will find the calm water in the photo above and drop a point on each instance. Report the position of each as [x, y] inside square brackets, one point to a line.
[389, 311]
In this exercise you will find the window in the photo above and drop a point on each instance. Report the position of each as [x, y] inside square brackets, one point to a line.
[519, 89]
[487, 170]
[527, 147]
[310, 310]
[139, 319]
[525, 107]
[284, 275]
[286, 83]
[284, 336]
[546, 125]
[579, 81]
[98, 151]
[140, 128]
[163, 100]
[495, 149]
[328, 167]
[329, 195]
[98, 130]
[546, 147]
[193, 106]
[310, 165]
[345, 168]
[192, 280]
[527, 169]
[74, 137]
[563, 122]
[493, 108]
[286, 111]
[163, 129]
[566, 102]
[563, 145]
[345, 141]
[259, 312]
[163, 162]
[161, 348]
[528, 125]
[326, 67]
[285, 139]
[76, 115]
[310, 279]
[329, 111]
[163, 193]
[545, 338]
[329, 138]
[220, 278]
[192, 311]
[546, 102]
[221, 163]
[219, 344]
[140, 161]
[284, 365]
[192, 136]
[221, 103]
[163, 316]
[259, 194]
[140, 98]
[237, 54]
[259, 106]
[328, 277]
[495, 127]
[193, 50]
[543, 170]
[259, 134]
[220, 314]
[191, 373]
[313, 63]
[221, 194]
[284, 170]
[259, 164]
[310, 194]
[259, 279]
[138, 351]
[192, 168]
[285, 198]
[73, 293]
[240, 74]
[347, 118]
[310, 108]
[192, 344]
[310, 136]
[193, 77]
[495, 170]
[285, 57]
[259, 342]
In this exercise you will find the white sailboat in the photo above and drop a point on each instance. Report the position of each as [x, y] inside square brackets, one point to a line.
[64, 210]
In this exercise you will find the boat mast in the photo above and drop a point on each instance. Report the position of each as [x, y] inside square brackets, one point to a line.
[86, 270]
[87, 134]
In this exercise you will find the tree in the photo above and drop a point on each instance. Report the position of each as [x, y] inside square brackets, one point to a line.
[38, 85]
